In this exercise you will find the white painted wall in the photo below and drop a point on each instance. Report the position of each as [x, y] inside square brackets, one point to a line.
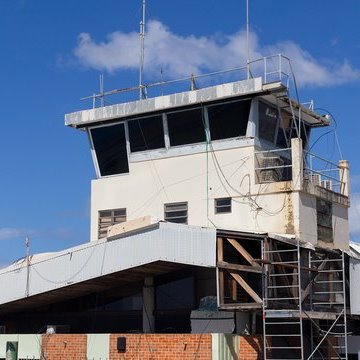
[193, 176]
[153, 183]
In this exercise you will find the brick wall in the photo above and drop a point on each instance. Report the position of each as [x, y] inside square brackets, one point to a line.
[250, 348]
[162, 347]
[147, 347]
[64, 347]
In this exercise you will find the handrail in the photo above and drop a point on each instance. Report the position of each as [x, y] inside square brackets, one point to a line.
[272, 68]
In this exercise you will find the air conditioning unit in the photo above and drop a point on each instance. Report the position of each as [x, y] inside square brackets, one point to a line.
[271, 169]
[327, 184]
[315, 179]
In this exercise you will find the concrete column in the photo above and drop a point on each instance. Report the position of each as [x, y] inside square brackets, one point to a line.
[344, 177]
[297, 163]
[148, 305]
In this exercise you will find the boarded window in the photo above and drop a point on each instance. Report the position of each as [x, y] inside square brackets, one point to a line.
[229, 120]
[268, 117]
[146, 133]
[110, 148]
[222, 205]
[324, 220]
[108, 218]
[176, 212]
[186, 127]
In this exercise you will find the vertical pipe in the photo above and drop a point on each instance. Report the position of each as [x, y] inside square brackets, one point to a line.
[300, 303]
[344, 294]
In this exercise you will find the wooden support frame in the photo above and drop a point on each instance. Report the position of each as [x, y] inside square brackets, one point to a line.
[236, 280]
[246, 287]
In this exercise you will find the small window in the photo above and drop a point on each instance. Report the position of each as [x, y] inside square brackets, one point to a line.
[176, 212]
[110, 148]
[222, 205]
[186, 127]
[229, 120]
[146, 133]
[324, 220]
[268, 117]
[108, 218]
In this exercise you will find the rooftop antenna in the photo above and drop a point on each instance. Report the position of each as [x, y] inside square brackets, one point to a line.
[27, 244]
[247, 40]
[102, 89]
[142, 49]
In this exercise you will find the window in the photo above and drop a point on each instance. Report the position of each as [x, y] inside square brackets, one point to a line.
[222, 205]
[186, 127]
[108, 218]
[146, 133]
[268, 117]
[324, 220]
[110, 148]
[176, 212]
[229, 120]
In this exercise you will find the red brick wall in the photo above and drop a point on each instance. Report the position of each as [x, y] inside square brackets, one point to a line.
[147, 347]
[250, 348]
[64, 347]
[162, 347]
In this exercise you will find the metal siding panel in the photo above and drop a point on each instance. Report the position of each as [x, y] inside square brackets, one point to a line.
[169, 242]
[354, 266]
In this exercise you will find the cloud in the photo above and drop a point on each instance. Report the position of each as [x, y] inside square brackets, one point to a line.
[7, 233]
[179, 55]
[354, 215]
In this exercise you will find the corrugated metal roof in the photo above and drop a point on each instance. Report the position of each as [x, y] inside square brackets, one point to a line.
[174, 243]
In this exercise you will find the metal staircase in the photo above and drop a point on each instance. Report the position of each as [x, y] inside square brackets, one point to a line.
[282, 309]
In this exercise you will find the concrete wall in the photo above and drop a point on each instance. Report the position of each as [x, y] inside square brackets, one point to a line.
[278, 207]
[195, 178]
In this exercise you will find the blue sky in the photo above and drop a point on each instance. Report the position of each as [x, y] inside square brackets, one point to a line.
[52, 53]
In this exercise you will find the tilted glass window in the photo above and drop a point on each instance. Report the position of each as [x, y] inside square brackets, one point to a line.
[108, 218]
[268, 117]
[222, 205]
[110, 148]
[324, 220]
[176, 212]
[146, 133]
[229, 120]
[186, 127]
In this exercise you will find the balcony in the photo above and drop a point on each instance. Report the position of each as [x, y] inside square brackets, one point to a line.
[306, 171]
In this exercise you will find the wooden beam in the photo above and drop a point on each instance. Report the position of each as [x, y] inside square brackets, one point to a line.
[244, 253]
[305, 293]
[237, 267]
[220, 273]
[246, 287]
[241, 306]
[220, 249]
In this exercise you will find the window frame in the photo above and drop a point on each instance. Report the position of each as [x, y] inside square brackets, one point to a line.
[112, 216]
[184, 203]
[93, 151]
[216, 206]
[319, 225]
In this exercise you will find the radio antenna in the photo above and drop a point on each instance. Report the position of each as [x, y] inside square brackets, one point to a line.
[142, 49]
[247, 40]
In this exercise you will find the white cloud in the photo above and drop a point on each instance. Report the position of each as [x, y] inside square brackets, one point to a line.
[354, 215]
[7, 233]
[183, 55]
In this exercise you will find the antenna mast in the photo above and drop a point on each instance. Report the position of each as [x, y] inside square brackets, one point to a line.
[142, 48]
[247, 40]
